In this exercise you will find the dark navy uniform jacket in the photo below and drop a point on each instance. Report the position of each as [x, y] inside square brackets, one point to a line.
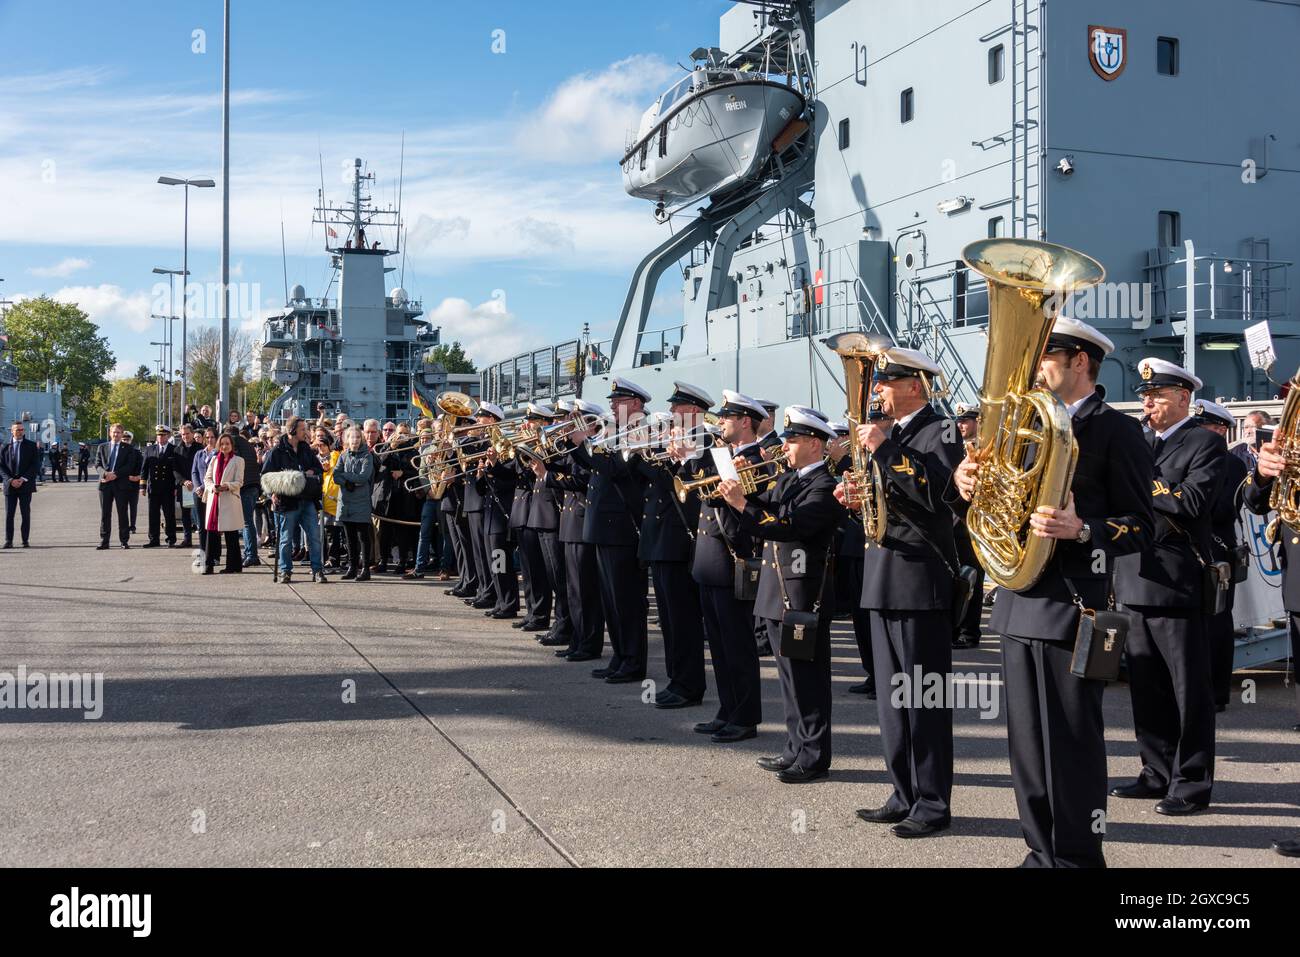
[615, 498]
[796, 519]
[718, 530]
[1112, 494]
[569, 479]
[1185, 482]
[1256, 493]
[665, 534]
[905, 571]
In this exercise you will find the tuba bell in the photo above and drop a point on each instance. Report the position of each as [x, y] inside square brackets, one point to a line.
[858, 351]
[1285, 497]
[1025, 444]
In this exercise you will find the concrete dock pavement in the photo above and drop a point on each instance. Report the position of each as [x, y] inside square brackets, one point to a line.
[384, 723]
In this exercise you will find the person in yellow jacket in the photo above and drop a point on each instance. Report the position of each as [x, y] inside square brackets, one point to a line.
[332, 536]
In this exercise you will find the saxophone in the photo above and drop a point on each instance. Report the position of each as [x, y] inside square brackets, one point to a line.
[1025, 444]
[858, 351]
[1285, 497]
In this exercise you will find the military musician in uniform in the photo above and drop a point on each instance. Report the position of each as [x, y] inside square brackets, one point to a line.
[850, 549]
[908, 584]
[524, 517]
[1055, 729]
[1165, 589]
[1225, 514]
[475, 506]
[967, 634]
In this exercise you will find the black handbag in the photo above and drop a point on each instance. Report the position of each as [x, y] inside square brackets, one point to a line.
[1238, 560]
[747, 573]
[799, 628]
[1099, 640]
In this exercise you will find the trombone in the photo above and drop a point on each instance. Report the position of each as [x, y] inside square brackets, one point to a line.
[750, 480]
[699, 437]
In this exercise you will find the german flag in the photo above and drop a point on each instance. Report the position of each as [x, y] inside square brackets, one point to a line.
[420, 404]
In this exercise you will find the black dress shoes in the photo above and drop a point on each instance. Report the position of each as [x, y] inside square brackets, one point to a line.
[602, 672]
[150, 545]
[731, 733]
[911, 828]
[1136, 789]
[502, 615]
[881, 815]
[581, 656]
[774, 765]
[795, 774]
[552, 641]
[520, 623]
[481, 604]
[709, 727]
[867, 688]
[1178, 807]
[126, 545]
[624, 677]
[1287, 848]
[101, 547]
[27, 545]
[542, 625]
[8, 545]
[671, 699]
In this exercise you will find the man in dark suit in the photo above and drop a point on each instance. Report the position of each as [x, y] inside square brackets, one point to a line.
[543, 524]
[1168, 650]
[495, 481]
[475, 505]
[1224, 514]
[722, 545]
[667, 543]
[532, 560]
[83, 463]
[796, 520]
[158, 483]
[850, 548]
[562, 474]
[119, 466]
[615, 499]
[1055, 727]
[19, 462]
[908, 587]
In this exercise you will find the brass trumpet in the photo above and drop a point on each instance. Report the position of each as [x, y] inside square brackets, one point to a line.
[750, 480]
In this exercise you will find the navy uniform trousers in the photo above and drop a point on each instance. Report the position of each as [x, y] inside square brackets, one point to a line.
[537, 580]
[626, 606]
[917, 741]
[553, 559]
[806, 697]
[1056, 735]
[1173, 700]
[582, 583]
[681, 619]
[729, 626]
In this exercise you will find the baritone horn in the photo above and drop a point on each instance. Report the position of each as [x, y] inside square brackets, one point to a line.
[1025, 444]
[866, 485]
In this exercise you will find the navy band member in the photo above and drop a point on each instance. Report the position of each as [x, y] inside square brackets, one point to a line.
[968, 629]
[532, 559]
[721, 542]
[1225, 513]
[1269, 464]
[850, 551]
[796, 520]
[1168, 651]
[908, 587]
[667, 545]
[496, 482]
[1055, 728]
[768, 437]
[475, 508]
[581, 574]
[544, 523]
[452, 507]
[615, 497]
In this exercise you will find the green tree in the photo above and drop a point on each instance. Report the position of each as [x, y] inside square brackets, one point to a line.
[261, 394]
[56, 340]
[452, 358]
[143, 374]
[134, 404]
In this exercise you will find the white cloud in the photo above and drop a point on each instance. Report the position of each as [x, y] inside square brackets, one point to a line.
[488, 332]
[61, 269]
[589, 115]
[110, 307]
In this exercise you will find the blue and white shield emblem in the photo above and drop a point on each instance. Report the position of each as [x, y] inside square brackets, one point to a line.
[1107, 50]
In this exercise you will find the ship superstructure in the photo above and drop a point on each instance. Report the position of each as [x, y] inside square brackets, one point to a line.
[361, 352]
[1115, 129]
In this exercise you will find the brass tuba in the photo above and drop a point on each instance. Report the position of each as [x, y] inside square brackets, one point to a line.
[858, 351]
[1285, 497]
[1025, 444]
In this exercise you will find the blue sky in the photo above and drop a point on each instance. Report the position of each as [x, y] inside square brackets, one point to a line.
[519, 228]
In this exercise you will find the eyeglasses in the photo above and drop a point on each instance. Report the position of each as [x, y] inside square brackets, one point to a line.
[1160, 395]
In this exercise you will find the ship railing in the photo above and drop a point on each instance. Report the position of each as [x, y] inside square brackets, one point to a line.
[320, 363]
[320, 395]
[658, 345]
[1225, 288]
[836, 305]
[542, 375]
[8, 373]
[935, 300]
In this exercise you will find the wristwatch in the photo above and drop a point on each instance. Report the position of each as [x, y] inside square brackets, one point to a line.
[1085, 534]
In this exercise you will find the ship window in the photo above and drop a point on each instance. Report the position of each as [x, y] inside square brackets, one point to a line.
[997, 64]
[844, 133]
[905, 106]
[997, 227]
[1168, 228]
[1167, 56]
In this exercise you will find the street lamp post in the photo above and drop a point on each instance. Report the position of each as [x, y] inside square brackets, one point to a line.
[158, 416]
[185, 272]
[171, 368]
